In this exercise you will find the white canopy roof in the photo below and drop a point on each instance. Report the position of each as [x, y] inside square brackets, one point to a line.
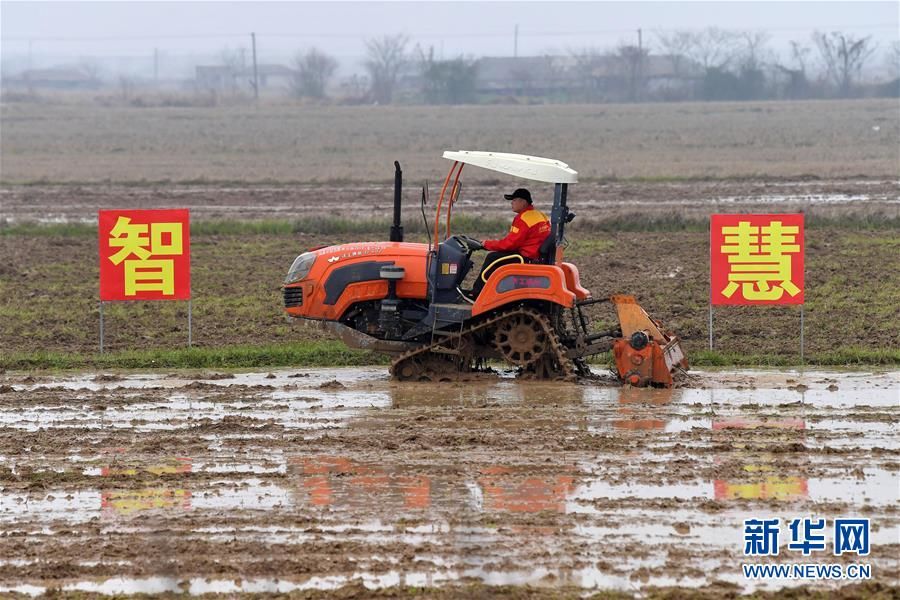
[519, 165]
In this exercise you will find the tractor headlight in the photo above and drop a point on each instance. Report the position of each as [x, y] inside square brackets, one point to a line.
[300, 268]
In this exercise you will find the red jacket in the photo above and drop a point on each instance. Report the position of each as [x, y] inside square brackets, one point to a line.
[529, 230]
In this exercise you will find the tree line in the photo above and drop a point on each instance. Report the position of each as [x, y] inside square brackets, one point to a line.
[712, 64]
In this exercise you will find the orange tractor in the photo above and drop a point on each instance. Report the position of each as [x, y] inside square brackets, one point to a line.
[405, 299]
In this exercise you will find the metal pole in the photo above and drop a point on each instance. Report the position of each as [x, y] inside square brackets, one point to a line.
[101, 327]
[516, 42]
[189, 324]
[801, 335]
[710, 286]
[640, 65]
[255, 72]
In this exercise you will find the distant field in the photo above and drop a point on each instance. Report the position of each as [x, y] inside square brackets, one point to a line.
[69, 143]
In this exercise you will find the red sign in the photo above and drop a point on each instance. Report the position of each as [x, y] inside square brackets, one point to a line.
[145, 254]
[756, 259]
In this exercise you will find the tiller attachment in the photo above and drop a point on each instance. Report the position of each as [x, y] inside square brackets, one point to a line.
[645, 355]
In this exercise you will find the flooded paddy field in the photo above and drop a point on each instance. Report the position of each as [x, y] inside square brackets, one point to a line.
[328, 479]
[592, 200]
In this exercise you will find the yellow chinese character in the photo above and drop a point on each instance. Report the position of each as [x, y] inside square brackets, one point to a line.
[132, 239]
[760, 256]
[149, 276]
[157, 243]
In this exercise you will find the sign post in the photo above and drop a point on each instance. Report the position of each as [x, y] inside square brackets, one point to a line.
[757, 260]
[144, 255]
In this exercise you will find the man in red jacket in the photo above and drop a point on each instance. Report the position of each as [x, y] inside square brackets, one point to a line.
[522, 244]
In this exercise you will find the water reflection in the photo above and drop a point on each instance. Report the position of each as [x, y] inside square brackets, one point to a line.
[126, 502]
[633, 403]
[339, 482]
[505, 490]
[760, 476]
[169, 466]
[335, 480]
[408, 480]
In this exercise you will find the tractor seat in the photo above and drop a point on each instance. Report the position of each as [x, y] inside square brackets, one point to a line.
[547, 251]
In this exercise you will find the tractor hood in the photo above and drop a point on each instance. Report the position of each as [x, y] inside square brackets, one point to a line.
[337, 277]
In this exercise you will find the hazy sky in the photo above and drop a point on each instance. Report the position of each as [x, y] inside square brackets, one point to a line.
[472, 28]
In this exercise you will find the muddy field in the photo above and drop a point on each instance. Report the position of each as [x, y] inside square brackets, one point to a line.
[52, 142]
[590, 201]
[339, 479]
[338, 482]
[852, 270]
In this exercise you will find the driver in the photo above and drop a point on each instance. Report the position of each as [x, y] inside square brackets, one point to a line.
[529, 229]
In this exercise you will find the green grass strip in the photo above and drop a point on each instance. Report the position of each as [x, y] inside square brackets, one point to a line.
[310, 354]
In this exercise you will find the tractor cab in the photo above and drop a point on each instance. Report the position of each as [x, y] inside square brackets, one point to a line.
[449, 258]
[532, 168]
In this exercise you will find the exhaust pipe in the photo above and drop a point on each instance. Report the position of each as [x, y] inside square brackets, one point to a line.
[397, 228]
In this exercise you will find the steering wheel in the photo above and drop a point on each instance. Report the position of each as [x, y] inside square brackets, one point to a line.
[470, 244]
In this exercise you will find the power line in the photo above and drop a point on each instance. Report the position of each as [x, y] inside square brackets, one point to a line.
[361, 35]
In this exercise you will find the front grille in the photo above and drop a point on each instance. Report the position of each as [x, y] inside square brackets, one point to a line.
[293, 296]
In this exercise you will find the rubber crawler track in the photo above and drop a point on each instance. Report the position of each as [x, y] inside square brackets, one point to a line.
[440, 361]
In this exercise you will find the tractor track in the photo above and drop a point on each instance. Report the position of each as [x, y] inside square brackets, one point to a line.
[431, 363]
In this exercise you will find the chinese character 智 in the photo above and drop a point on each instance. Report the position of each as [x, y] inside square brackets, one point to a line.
[145, 255]
[142, 273]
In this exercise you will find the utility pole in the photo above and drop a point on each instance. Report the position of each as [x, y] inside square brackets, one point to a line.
[255, 72]
[516, 42]
[156, 67]
[640, 89]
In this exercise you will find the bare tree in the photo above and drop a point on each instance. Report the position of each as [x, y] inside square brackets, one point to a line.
[523, 79]
[677, 45]
[446, 81]
[313, 69]
[797, 84]
[235, 63]
[713, 48]
[844, 57]
[799, 55]
[893, 59]
[588, 68]
[355, 88]
[750, 59]
[630, 60]
[752, 49]
[386, 58]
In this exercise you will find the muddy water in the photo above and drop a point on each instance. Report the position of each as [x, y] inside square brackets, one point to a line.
[315, 479]
[62, 204]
